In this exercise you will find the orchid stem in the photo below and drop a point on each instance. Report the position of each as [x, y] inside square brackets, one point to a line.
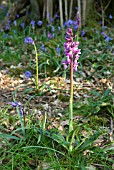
[36, 67]
[71, 98]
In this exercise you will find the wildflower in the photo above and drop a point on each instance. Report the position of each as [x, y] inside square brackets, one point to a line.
[110, 16]
[82, 33]
[15, 23]
[29, 40]
[43, 47]
[59, 28]
[76, 8]
[27, 74]
[69, 23]
[71, 50]
[52, 28]
[108, 38]
[7, 27]
[50, 36]
[100, 22]
[39, 23]
[17, 104]
[33, 24]
[22, 25]
[17, 15]
[58, 50]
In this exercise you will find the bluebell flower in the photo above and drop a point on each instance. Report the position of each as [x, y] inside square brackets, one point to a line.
[58, 50]
[39, 23]
[43, 47]
[33, 23]
[29, 40]
[104, 27]
[17, 104]
[69, 23]
[51, 20]
[17, 15]
[59, 28]
[52, 28]
[76, 8]
[7, 27]
[22, 25]
[100, 22]
[50, 36]
[82, 33]
[110, 16]
[15, 23]
[27, 74]
[108, 38]
[7, 14]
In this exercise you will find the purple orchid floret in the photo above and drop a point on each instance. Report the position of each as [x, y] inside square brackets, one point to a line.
[71, 50]
[29, 40]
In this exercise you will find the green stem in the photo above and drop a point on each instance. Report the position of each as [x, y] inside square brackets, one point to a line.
[71, 98]
[36, 67]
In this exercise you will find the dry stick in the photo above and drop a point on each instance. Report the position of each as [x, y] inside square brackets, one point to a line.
[79, 9]
[70, 12]
[103, 10]
[44, 9]
[61, 13]
[47, 17]
[51, 8]
[66, 11]
[84, 12]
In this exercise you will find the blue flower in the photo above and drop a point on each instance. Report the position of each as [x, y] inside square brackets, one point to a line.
[110, 16]
[33, 23]
[7, 27]
[29, 40]
[108, 38]
[58, 50]
[22, 25]
[15, 23]
[70, 22]
[43, 47]
[39, 23]
[52, 28]
[27, 74]
[82, 33]
[17, 15]
[17, 104]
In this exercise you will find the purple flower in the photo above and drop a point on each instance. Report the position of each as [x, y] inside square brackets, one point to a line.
[82, 33]
[22, 25]
[108, 38]
[7, 27]
[33, 24]
[15, 23]
[69, 23]
[71, 50]
[17, 104]
[50, 36]
[43, 48]
[39, 23]
[27, 74]
[100, 22]
[110, 16]
[52, 28]
[58, 50]
[29, 40]
[17, 15]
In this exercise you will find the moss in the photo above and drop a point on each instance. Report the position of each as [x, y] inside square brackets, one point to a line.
[97, 121]
[63, 98]
[15, 71]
